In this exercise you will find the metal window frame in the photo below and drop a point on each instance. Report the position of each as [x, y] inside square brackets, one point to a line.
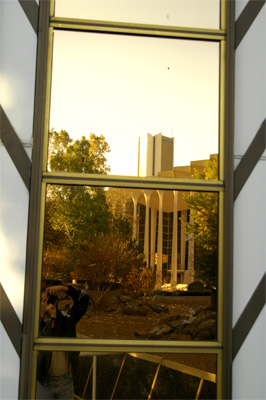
[40, 177]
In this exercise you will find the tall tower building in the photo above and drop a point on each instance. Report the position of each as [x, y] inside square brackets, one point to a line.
[155, 154]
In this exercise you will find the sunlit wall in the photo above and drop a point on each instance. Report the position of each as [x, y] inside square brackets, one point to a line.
[17, 75]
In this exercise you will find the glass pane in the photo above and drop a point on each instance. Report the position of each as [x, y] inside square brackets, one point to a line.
[137, 376]
[145, 106]
[148, 260]
[190, 13]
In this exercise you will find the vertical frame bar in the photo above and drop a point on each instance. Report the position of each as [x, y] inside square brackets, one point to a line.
[26, 365]
[228, 201]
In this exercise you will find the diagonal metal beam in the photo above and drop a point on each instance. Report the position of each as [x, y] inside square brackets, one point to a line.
[15, 148]
[249, 316]
[10, 321]
[31, 9]
[246, 19]
[250, 159]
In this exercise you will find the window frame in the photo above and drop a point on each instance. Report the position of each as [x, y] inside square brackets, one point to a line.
[40, 178]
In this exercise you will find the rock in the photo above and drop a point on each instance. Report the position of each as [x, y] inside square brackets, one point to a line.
[136, 308]
[158, 332]
[205, 330]
[204, 317]
[189, 320]
[124, 298]
[200, 326]
[109, 308]
[113, 300]
[158, 308]
[177, 325]
[192, 311]
[170, 318]
[109, 304]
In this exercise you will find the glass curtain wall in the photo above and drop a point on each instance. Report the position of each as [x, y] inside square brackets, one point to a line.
[132, 217]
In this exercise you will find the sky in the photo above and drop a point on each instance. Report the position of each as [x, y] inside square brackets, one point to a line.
[124, 87]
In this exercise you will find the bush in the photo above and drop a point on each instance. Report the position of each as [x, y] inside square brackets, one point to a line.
[140, 280]
[56, 264]
[196, 286]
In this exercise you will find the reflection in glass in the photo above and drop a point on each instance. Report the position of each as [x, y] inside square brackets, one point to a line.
[145, 105]
[145, 375]
[147, 258]
[190, 13]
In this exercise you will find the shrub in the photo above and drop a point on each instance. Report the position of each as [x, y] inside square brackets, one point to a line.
[196, 286]
[56, 264]
[140, 281]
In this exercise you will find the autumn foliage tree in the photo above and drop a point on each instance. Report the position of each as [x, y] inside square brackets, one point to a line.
[56, 264]
[203, 228]
[104, 259]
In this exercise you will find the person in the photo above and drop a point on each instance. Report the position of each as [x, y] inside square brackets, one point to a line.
[54, 368]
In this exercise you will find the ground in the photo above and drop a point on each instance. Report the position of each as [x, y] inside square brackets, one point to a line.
[113, 324]
[120, 326]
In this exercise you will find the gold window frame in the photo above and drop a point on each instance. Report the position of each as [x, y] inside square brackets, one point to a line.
[40, 178]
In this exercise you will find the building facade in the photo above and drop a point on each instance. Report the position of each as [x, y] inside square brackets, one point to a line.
[241, 344]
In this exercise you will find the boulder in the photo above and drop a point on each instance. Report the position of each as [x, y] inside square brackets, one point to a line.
[158, 308]
[198, 326]
[136, 308]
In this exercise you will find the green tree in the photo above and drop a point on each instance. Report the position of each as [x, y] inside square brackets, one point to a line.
[203, 229]
[73, 212]
[84, 155]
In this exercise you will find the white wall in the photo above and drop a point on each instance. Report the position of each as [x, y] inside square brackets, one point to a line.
[250, 207]
[17, 74]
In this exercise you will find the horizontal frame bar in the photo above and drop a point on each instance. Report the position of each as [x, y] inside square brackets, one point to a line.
[137, 29]
[65, 178]
[112, 345]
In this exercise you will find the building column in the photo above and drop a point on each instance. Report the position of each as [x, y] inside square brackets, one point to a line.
[135, 198]
[183, 243]
[174, 243]
[190, 271]
[159, 269]
[153, 236]
[147, 196]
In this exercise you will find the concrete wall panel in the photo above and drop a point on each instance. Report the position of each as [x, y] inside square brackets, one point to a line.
[250, 86]
[18, 62]
[240, 5]
[9, 371]
[249, 364]
[248, 371]
[18, 43]
[249, 238]
[14, 199]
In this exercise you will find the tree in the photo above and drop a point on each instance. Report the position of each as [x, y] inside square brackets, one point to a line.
[121, 206]
[73, 212]
[84, 155]
[92, 222]
[104, 259]
[203, 229]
